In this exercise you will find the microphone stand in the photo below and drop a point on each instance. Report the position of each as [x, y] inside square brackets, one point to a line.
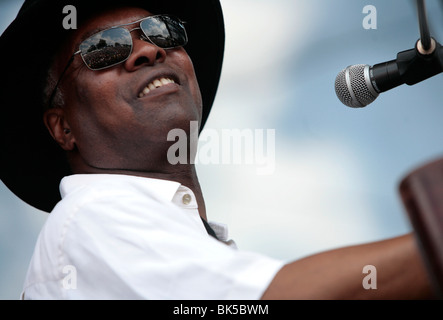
[412, 66]
[425, 35]
[426, 59]
[427, 45]
[422, 189]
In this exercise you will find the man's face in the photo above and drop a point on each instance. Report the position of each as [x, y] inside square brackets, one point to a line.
[113, 125]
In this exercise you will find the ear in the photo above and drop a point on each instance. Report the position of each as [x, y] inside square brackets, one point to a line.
[59, 128]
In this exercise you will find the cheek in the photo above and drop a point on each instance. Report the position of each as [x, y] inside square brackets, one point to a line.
[90, 111]
[188, 69]
[95, 95]
[195, 86]
[94, 89]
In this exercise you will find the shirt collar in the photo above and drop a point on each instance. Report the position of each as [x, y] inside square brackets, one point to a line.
[170, 191]
[162, 189]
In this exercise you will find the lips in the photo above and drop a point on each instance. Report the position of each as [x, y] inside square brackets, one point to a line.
[155, 84]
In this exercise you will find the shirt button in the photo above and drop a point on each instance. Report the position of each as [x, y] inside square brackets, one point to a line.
[187, 199]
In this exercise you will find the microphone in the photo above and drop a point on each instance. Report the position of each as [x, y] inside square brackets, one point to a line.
[359, 85]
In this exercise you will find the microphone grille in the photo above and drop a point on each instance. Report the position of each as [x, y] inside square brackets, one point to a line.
[353, 87]
[341, 89]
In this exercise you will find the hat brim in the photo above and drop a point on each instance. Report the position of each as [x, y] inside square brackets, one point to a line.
[31, 163]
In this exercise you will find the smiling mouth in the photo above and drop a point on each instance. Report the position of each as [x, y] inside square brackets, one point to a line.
[157, 83]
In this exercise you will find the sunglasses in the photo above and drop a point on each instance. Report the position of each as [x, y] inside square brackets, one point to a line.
[113, 46]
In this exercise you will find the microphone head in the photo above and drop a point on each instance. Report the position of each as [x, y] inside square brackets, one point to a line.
[354, 88]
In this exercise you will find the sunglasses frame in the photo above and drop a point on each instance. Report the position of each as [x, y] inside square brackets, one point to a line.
[143, 37]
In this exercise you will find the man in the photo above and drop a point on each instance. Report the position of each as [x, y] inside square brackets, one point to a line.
[131, 225]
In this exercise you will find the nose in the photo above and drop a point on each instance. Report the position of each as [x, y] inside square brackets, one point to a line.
[143, 54]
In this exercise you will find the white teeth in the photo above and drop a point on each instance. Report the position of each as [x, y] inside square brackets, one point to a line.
[155, 84]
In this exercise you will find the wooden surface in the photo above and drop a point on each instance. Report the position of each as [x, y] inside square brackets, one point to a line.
[422, 195]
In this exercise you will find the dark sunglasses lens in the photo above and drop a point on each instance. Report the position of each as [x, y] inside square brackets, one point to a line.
[165, 31]
[106, 48]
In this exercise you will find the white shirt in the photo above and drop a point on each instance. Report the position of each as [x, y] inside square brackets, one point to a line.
[126, 237]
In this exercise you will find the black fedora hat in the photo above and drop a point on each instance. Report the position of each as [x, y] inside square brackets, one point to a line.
[31, 163]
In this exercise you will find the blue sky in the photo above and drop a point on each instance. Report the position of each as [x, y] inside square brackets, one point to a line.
[336, 169]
